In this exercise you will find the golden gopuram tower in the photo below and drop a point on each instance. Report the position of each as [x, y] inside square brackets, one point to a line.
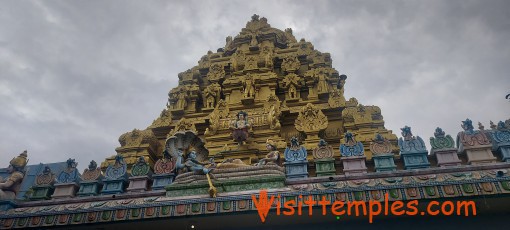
[285, 87]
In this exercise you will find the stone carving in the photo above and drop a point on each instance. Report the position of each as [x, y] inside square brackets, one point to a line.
[220, 112]
[272, 108]
[70, 174]
[216, 73]
[249, 86]
[46, 177]
[311, 119]
[10, 186]
[291, 82]
[267, 56]
[136, 138]
[238, 60]
[211, 95]
[323, 150]
[291, 64]
[140, 168]
[117, 170]
[165, 164]
[441, 141]
[351, 146]
[182, 125]
[178, 98]
[241, 127]
[92, 173]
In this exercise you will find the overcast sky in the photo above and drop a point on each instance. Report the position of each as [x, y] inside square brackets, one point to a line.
[75, 75]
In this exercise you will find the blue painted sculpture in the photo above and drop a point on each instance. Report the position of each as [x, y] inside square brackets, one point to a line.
[70, 174]
[67, 181]
[501, 140]
[116, 177]
[353, 155]
[295, 160]
[412, 150]
[351, 147]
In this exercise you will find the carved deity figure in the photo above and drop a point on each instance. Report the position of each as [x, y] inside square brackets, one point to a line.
[181, 99]
[272, 157]
[11, 185]
[240, 127]
[267, 55]
[192, 164]
[322, 84]
[249, 87]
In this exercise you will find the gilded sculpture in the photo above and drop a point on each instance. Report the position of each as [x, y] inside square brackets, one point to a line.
[10, 186]
[287, 87]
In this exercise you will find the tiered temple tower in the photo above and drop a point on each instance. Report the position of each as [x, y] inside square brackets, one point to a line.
[286, 87]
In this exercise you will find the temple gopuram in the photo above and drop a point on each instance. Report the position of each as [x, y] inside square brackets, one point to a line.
[264, 120]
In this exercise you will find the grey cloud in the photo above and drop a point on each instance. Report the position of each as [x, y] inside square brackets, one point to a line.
[74, 75]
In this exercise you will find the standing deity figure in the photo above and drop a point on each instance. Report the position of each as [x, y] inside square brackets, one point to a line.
[240, 127]
[322, 85]
[249, 90]
[272, 157]
[10, 187]
[181, 99]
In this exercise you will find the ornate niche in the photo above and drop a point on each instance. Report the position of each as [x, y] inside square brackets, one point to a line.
[292, 85]
[211, 96]
[273, 111]
[135, 144]
[220, 112]
[336, 95]
[311, 121]
[249, 89]
[266, 57]
[290, 64]
[216, 73]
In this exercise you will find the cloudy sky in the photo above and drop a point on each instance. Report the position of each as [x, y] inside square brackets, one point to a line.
[75, 75]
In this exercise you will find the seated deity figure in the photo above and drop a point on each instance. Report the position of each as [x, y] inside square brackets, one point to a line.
[240, 127]
[272, 157]
[11, 185]
[193, 165]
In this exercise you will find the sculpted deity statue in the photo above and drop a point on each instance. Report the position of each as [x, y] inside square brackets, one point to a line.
[240, 127]
[322, 84]
[272, 157]
[11, 185]
[249, 90]
[192, 164]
